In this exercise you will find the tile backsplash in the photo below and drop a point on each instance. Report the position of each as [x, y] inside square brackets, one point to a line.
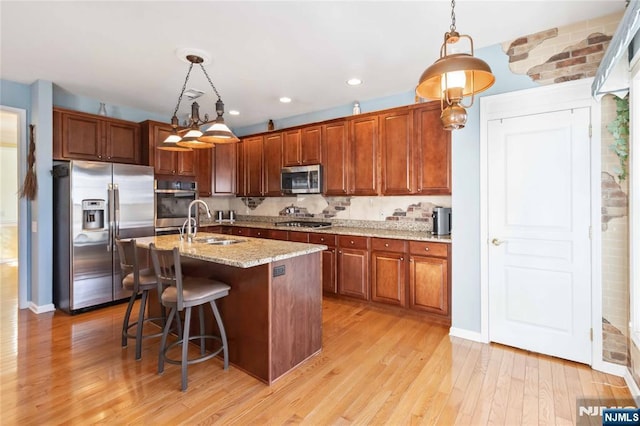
[392, 211]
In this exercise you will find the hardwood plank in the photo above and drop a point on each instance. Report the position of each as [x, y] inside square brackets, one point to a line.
[377, 367]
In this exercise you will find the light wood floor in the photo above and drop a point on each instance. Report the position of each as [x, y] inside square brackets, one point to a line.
[376, 367]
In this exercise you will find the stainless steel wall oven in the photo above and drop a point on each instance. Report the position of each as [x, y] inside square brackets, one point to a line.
[172, 204]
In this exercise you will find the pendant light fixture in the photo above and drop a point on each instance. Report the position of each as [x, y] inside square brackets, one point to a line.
[454, 76]
[218, 132]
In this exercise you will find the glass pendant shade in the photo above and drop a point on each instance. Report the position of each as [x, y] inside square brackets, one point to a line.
[192, 140]
[171, 144]
[218, 132]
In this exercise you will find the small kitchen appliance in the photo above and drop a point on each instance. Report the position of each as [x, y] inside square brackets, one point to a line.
[441, 220]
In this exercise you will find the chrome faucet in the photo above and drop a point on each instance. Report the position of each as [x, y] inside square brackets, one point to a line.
[191, 233]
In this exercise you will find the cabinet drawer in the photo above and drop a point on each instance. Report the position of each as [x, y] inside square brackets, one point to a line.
[326, 239]
[386, 244]
[300, 237]
[428, 249]
[348, 241]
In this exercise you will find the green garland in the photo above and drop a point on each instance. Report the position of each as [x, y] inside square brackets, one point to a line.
[619, 128]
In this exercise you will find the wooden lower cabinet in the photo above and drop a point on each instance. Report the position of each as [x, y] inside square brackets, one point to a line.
[429, 288]
[353, 266]
[388, 271]
[407, 274]
[329, 261]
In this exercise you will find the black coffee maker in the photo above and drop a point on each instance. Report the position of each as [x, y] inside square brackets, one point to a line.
[441, 220]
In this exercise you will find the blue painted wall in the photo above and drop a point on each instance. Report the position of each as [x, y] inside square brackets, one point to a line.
[465, 197]
[65, 99]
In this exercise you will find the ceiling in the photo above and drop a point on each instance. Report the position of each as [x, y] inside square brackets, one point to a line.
[124, 53]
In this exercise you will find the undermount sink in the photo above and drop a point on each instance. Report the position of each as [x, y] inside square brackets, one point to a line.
[217, 241]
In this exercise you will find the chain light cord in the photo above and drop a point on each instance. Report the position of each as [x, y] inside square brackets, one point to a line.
[452, 28]
[184, 87]
[210, 82]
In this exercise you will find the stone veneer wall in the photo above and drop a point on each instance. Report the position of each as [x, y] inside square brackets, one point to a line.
[615, 248]
[570, 53]
[562, 54]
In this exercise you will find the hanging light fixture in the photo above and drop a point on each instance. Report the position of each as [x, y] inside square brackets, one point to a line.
[454, 76]
[218, 132]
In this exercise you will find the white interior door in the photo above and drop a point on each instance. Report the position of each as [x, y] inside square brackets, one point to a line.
[538, 223]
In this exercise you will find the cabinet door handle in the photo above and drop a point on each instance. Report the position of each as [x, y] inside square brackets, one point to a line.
[340, 252]
[411, 259]
[402, 258]
[426, 249]
[351, 242]
[386, 244]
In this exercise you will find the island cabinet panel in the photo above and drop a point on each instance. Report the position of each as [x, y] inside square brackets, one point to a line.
[335, 152]
[296, 312]
[278, 234]
[353, 266]
[272, 164]
[388, 271]
[363, 164]
[329, 261]
[432, 153]
[166, 164]
[81, 136]
[429, 288]
[396, 137]
[252, 166]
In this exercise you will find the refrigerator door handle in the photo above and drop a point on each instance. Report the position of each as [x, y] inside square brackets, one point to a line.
[116, 208]
[111, 216]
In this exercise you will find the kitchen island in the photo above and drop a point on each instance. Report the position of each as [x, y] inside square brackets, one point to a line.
[273, 313]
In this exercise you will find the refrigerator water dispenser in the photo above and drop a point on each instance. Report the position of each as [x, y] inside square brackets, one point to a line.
[93, 214]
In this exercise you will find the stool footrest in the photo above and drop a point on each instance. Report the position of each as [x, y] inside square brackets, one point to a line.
[193, 360]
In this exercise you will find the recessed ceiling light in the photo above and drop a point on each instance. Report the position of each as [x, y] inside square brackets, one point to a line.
[234, 112]
[285, 100]
[354, 82]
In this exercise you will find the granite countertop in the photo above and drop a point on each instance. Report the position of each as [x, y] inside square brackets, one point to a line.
[244, 254]
[344, 230]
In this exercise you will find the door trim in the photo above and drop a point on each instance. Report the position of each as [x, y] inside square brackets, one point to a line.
[24, 209]
[555, 97]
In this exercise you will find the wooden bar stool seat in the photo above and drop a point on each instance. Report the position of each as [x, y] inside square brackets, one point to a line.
[181, 293]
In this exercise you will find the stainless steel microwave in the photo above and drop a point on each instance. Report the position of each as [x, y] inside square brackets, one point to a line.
[301, 179]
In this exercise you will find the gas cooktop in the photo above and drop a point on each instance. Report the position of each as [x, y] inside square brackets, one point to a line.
[304, 224]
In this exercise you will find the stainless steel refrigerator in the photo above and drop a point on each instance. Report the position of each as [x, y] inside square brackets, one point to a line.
[95, 203]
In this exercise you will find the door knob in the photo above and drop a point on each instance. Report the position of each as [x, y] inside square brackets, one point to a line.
[496, 242]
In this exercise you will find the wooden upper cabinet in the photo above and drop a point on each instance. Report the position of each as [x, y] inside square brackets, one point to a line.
[291, 148]
[252, 166]
[363, 164]
[310, 145]
[204, 178]
[432, 152]
[224, 169]
[335, 152]
[302, 146]
[396, 140]
[165, 163]
[272, 164]
[81, 136]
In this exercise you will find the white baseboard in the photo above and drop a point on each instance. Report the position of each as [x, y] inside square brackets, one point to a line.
[633, 387]
[41, 309]
[466, 334]
[610, 368]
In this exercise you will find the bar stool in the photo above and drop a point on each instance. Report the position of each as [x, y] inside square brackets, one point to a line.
[180, 293]
[136, 280]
